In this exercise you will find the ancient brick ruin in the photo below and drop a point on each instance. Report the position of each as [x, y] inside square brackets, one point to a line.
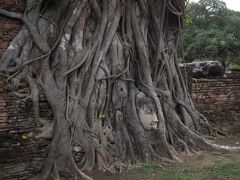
[22, 156]
[9, 27]
[218, 98]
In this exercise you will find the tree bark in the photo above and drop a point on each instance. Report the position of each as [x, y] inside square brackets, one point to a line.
[108, 70]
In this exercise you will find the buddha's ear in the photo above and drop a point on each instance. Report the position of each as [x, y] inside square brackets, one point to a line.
[139, 99]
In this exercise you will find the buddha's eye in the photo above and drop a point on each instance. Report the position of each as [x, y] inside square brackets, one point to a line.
[148, 111]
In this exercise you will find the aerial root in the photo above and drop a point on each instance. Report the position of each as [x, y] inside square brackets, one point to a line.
[220, 132]
[220, 148]
[167, 160]
[205, 144]
[46, 131]
[75, 170]
[124, 31]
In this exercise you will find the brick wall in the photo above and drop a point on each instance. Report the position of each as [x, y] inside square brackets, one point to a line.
[21, 156]
[9, 27]
[218, 99]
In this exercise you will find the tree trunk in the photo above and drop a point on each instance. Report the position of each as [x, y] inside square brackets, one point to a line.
[108, 70]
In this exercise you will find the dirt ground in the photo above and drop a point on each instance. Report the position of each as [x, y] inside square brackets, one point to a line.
[203, 165]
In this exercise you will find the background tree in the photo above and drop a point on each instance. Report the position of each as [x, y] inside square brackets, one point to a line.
[108, 70]
[211, 31]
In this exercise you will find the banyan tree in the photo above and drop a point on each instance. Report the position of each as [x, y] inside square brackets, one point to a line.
[108, 69]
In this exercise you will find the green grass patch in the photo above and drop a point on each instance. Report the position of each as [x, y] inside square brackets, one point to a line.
[218, 170]
[225, 170]
[145, 172]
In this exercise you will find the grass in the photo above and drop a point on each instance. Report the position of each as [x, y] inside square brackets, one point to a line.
[218, 170]
[225, 171]
[145, 172]
[205, 166]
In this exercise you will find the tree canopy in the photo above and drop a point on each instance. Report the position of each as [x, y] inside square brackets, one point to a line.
[212, 30]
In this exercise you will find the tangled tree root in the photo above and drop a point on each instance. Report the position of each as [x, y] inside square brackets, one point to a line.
[109, 71]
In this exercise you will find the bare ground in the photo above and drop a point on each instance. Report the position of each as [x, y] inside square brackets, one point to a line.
[203, 165]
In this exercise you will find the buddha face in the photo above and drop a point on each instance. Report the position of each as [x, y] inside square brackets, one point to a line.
[146, 112]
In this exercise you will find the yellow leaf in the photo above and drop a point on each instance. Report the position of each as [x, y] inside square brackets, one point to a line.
[24, 137]
[102, 116]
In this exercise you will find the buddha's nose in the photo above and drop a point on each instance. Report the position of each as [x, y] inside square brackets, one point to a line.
[155, 119]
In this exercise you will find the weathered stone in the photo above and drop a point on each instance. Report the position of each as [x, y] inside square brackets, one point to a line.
[205, 68]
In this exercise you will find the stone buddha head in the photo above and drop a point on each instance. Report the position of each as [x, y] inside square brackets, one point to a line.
[146, 111]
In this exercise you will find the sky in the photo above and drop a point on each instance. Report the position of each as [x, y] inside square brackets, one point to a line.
[231, 4]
